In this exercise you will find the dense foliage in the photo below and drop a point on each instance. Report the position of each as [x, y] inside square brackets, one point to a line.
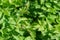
[29, 19]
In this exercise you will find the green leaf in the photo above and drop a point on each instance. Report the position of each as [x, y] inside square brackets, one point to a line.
[28, 38]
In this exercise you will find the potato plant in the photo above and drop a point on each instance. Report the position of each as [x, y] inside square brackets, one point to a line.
[29, 19]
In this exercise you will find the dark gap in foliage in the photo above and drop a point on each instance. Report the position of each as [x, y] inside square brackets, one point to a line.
[12, 6]
[46, 37]
[5, 32]
[41, 18]
[38, 2]
[27, 16]
[54, 23]
[1, 25]
[38, 10]
[7, 24]
[57, 6]
[6, 17]
[9, 33]
[34, 9]
[11, 38]
[13, 13]
[26, 34]
[58, 10]
[6, 35]
[52, 4]
[24, 2]
[0, 34]
[38, 35]
[35, 19]
[32, 17]
[54, 39]
[45, 6]
[18, 7]
[13, 32]
[1, 6]
[32, 0]
[48, 1]
[46, 13]
[57, 14]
